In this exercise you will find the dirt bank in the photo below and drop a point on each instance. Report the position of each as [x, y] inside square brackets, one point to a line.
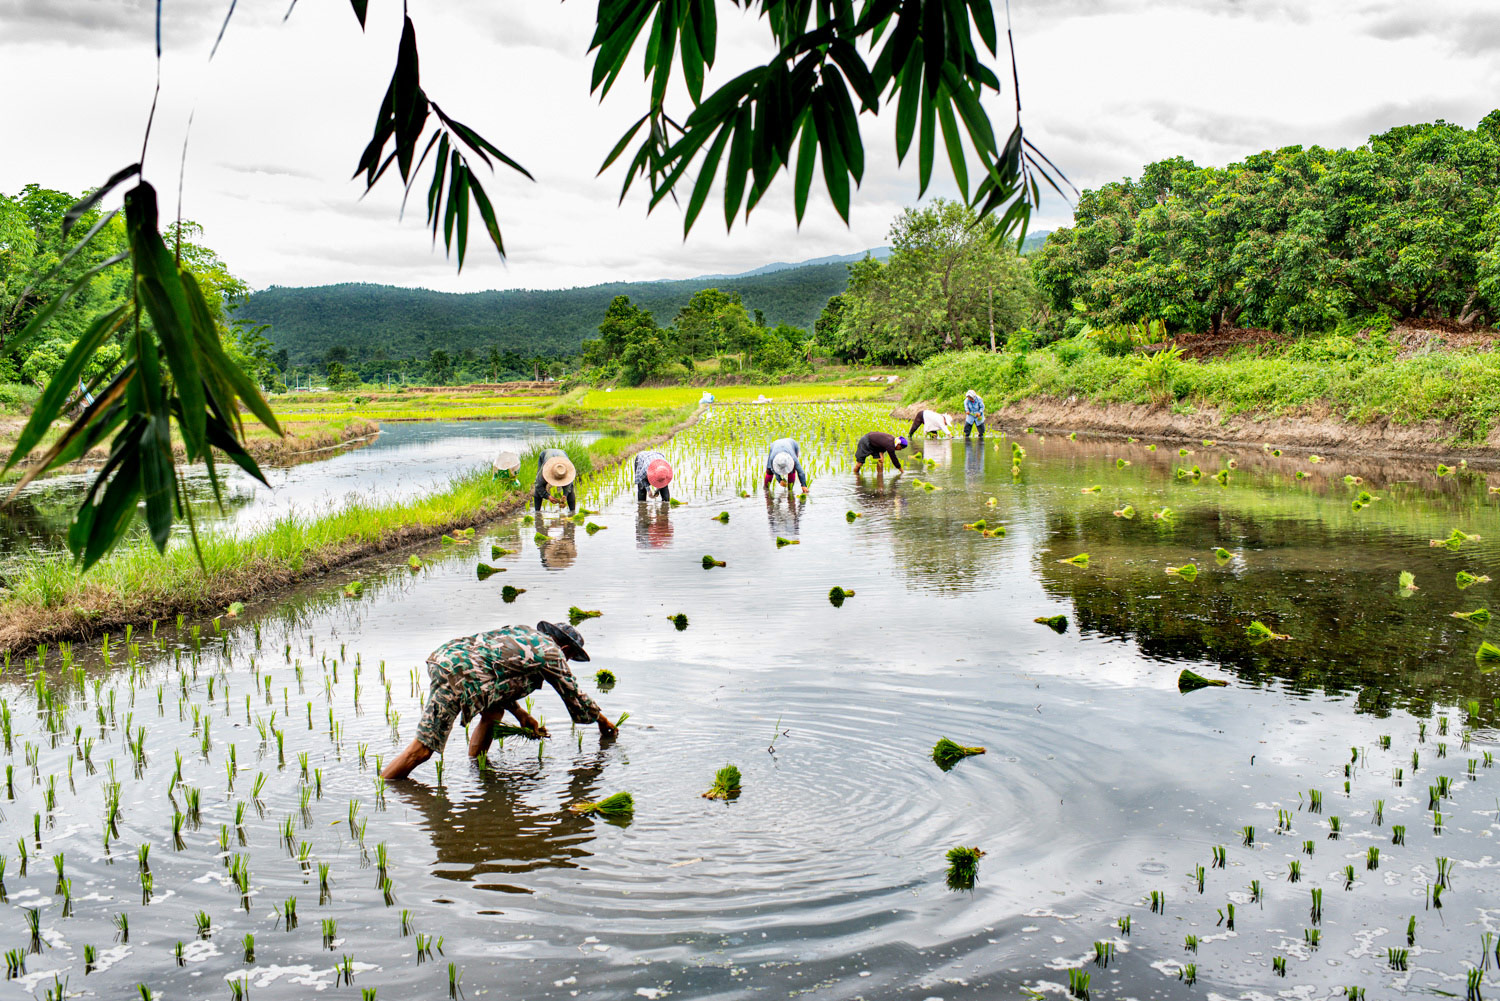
[1321, 432]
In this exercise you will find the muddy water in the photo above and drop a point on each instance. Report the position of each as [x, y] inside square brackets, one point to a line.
[1102, 783]
[402, 461]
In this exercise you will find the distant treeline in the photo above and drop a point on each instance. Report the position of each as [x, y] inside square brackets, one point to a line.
[378, 322]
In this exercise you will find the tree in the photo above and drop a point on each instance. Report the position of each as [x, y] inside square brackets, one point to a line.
[439, 367]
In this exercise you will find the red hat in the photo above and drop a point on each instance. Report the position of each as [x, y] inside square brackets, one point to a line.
[658, 473]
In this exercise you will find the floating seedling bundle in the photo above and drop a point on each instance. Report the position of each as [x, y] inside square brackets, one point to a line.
[414, 561]
[1487, 656]
[1191, 681]
[604, 678]
[836, 595]
[726, 784]
[723, 518]
[484, 571]
[496, 552]
[591, 528]
[709, 563]
[1221, 554]
[508, 593]
[1188, 571]
[849, 516]
[679, 620]
[1259, 632]
[963, 867]
[1454, 541]
[1407, 582]
[782, 540]
[946, 753]
[1127, 512]
[354, 589]
[976, 526]
[619, 806]
[1465, 579]
[577, 615]
[1479, 615]
[1081, 560]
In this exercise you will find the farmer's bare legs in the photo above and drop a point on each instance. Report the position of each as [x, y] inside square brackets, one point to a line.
[402, 764]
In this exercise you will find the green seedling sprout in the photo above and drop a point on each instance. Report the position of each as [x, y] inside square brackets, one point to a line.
[619, 806]
[1096, 488]
[976, 526]
[414, 561]
[1191, 681]
[605, 679]
[1487, 656]
[1121, 463]
[591, 528]
[484, 571]
[1081, 560]
[946, 753]
[1057, 623]
[1189, 974]
[1278, 965]
[836, 595]
[709, 563]
[540, 538]
[726, 784]
[849, 516]
[679, 620]
[1123, 924]
[963, 867]
[1188, 571]
[1294, 871]
[508, 593]
[1127, 512]
[496, 552]
[1259, 632]
[723, 518]
[1407, 581]
[782, 541]
[577, 615]
[354, 589]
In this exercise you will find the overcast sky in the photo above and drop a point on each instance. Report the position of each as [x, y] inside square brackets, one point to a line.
[282, 112]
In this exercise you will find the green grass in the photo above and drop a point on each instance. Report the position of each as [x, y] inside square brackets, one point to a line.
[1459, 387]
[676, 396]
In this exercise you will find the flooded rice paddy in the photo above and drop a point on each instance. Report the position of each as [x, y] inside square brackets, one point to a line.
[1323, 826]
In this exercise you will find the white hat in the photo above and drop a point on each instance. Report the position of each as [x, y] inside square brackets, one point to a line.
[558, 471]
[506, 462]
[972, 393]
[783, 464]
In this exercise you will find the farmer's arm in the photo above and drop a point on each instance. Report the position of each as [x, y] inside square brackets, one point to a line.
[402, 764]
[438, 717]
[802, 474]
[581, 708]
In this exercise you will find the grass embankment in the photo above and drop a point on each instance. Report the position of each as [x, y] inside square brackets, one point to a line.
[50, 600]
[1452, 398]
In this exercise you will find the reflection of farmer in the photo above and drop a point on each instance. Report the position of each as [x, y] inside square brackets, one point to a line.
[652, 475]
[653, 526]
[931, 422]
[559, 553]
[973, 414]
[554, 480]
[485, 675]
[506, 467]
[783, 520]
[784, 463]
[877, 445]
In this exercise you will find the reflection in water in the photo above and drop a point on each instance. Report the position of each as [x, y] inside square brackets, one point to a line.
[784, 512]
[559, 551]
[974, 463]
[653, 525]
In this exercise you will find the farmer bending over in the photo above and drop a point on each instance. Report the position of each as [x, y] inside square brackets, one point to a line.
[784, 463]
[973, 414]
[554, 480]
[485, 675]
[652, 475]
[931, 422]
[878, 445]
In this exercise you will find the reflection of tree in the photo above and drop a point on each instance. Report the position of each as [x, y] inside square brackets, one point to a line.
[783, 511]
[1352, 634]
[498, 833]
[653, 525]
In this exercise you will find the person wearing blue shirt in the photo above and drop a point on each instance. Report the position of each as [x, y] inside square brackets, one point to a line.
[973, 414]
[784, 464]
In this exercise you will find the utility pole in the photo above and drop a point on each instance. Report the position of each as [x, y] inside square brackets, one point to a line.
[992, 318]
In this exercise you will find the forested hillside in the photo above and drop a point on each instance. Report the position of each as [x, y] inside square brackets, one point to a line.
[381, 321]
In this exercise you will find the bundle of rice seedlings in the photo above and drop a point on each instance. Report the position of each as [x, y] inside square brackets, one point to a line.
[1183, 473]
[722, 518]
[1072, 435]
[1096, 488]
[591, 528]
[726, 784]
[782, 540]
[1016, 451]
[453, 540]
[1259, 632]
[354, 589]
[484, 571]
[963, 867]
[540, 538]
[414, 561]
[577, 615]
[1314, 458]
[1487, 656]
[1221, 554]
[849, 516]
[604, 678]
[234, 609]
[1121, 463]
[674, 502]
[679, 620]
[1126, 512]
[1150, 448]
[1189, 681]
[836, 595]
[1233, 464]
[1495, 490]
[467, 533]
[1455, 539]
[1300, 475]
[991, 502]
[1209, 443]
[509, 593]
[744, 493]
[946, 753]
[1015, 470]
[1184, 451]
[709, 563]
[1222, 476]
[1443, 470]
[496, 552]
[994, 533]
[1188, 571]
[1466, 579]
[527, 519]
[1407, 581]
[976, 526]
[1165, 514]
[930, 487]
[579, 518]
[1057, 623]
[1479, 615]
[507, 730]
[616, 807]
[1352, 479]
[1081, 560]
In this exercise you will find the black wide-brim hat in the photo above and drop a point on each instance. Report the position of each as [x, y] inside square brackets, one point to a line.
[570, 639]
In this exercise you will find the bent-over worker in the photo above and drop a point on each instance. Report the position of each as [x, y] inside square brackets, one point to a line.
[878, 445]
[554, 480]
[653, 474]
[783, 461]
[931, 422]
[973, 414]
[486, 675]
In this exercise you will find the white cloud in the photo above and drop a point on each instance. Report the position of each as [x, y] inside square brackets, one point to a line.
[282, 113]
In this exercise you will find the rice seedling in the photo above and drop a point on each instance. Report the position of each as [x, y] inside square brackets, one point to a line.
[1247, 833]
[680, 621]
[605, 679]
[726, 784]
[1475, 975]
[484, 571]
[1096, 488]
[1103, 953]
[1278, 965]
[1258, 632]
[1188, 571]
[1354, 994]
[782, 541]
[354, 589]
[204, 924]
[1191, 682]
[1189, 974]
[1123, 923]
[508, 593]
[1348, 877]
[1255, 891]
[1057, 623]
[1317, 906]
[1435, 896]
[1081, 560]
[455, 976]
[239, 989]
[330, 932]
[963, 867]
[1396, 958]
[1487, 656]
[1444, 871]
[591, 528]
[1379, 812]
[1465, 579]
[1197, 874]
[1406, 581]
[577, 615]
[709, 563]
[620, 805]
[1335, 828]
[1127, 512]
[1220, 856]
[946, 753]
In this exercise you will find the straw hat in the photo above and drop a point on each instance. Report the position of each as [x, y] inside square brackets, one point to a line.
[506, 462]
[558, 471]
[783, 464]
[659, 473]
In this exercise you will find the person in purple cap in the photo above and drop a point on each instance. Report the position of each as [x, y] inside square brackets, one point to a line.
[878, 445]
[487, 675]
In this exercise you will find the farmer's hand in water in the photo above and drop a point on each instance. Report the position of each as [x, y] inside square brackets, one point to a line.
[525, 719]
[607, 729]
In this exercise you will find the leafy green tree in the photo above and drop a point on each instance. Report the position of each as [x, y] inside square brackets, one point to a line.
[439, 367]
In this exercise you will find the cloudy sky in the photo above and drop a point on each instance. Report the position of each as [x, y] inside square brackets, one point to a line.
[280, 116]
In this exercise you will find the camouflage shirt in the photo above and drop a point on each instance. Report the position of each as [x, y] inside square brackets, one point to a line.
[506, 665]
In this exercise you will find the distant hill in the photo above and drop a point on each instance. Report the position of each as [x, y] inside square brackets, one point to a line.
[408, 322]
[879, 253]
